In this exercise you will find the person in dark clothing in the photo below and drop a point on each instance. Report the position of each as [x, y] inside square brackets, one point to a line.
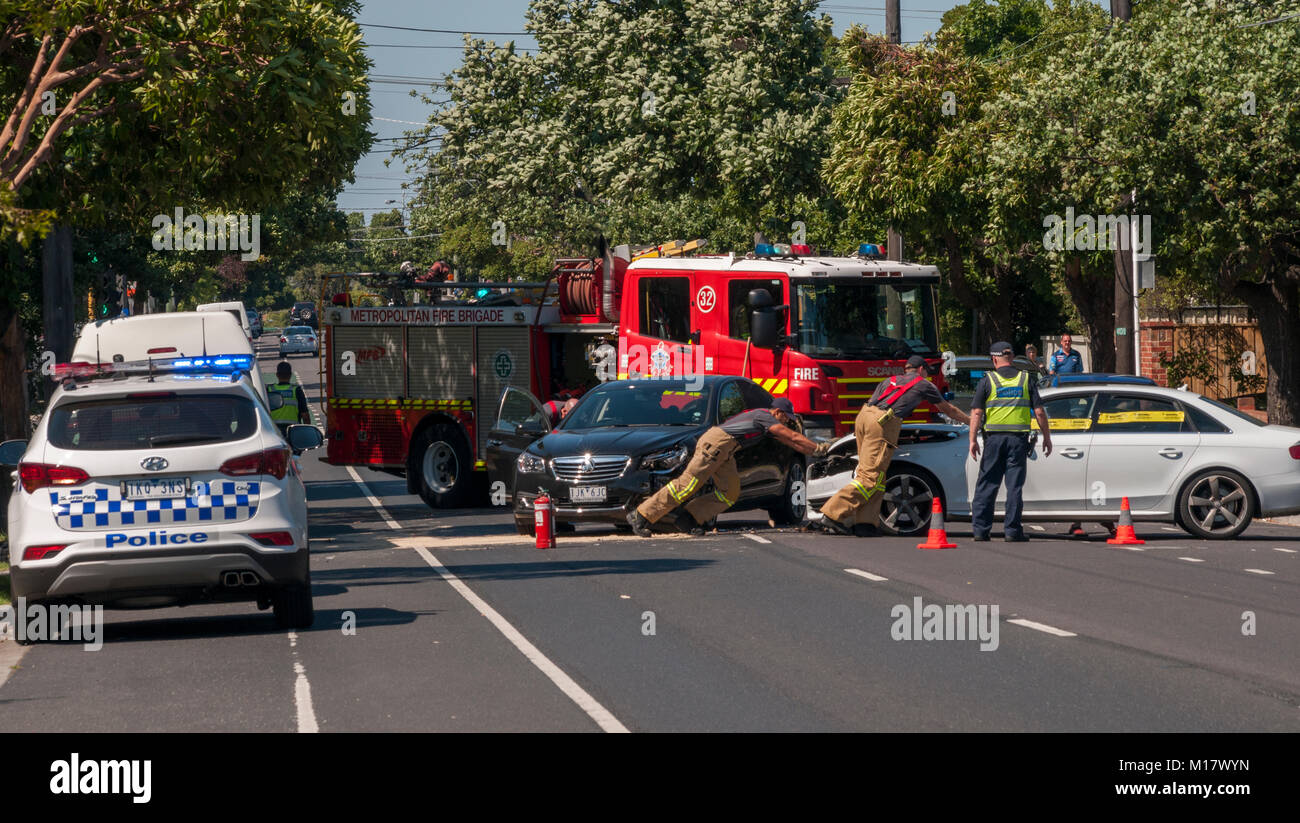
[1006, 401]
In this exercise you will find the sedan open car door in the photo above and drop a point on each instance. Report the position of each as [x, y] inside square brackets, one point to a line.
[520, 421]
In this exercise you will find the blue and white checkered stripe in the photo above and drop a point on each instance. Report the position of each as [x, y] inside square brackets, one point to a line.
[222, 505]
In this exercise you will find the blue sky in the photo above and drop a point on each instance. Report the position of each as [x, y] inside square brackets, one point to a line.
[405, 60]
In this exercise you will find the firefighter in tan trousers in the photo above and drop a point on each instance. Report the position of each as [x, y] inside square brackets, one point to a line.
[876, 430]
[714, 459]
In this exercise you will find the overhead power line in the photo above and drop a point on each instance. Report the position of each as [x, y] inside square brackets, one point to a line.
[449, 31]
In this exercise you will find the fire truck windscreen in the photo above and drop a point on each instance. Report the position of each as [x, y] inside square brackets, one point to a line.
[854, 320]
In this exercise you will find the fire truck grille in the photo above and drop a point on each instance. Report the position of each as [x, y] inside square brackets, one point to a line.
[594, 469]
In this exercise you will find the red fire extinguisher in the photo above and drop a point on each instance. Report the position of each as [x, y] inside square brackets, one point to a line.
[544, 521]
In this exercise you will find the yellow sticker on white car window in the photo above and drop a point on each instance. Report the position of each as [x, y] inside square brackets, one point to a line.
[1066, 423]
[1140, 417]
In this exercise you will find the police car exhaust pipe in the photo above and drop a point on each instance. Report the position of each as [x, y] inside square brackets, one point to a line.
[249, 579]
[230, 579]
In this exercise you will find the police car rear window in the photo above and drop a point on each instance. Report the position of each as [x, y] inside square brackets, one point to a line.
[161, 420]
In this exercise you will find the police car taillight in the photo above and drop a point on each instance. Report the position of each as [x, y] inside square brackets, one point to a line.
[274, 462]
[39, 475]
[42, 552]
[1295, 451]
[273, 538]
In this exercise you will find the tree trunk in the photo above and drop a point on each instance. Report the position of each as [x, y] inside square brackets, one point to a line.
[1094, 297]
[13, 394]
[1276, 304]
[13, 379]
[994, 323]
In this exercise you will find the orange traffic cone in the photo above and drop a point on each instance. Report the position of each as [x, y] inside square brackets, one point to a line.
[938, 537]
[1124, 534]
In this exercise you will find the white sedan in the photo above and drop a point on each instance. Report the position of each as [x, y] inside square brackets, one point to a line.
[1177, 456]
[299, 340]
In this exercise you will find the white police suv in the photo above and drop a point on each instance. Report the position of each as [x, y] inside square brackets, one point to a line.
[161, 483]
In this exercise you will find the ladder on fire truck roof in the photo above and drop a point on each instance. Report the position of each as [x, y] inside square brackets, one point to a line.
[677, 248]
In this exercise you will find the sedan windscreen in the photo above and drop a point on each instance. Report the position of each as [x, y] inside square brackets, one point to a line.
[151, 421]
[651, 403]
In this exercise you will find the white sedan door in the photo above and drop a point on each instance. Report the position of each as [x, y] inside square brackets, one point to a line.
[1057, 483]
[1141, 445]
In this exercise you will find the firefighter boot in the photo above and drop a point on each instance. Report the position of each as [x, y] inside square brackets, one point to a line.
[687, 523]
[639, 524]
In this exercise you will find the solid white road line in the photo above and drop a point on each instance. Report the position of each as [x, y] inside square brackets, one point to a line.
[1037, 528]
[1280, 549]
[602, 716]
[757, 539]
[874, 577]
[1193, 559]
[302, 692]
[566, 684]
[1258, 571]
[1171, 528]
[1042, 627]
[374, 501]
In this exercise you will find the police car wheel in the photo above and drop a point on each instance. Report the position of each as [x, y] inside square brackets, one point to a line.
[443, 468]
[1215, 505]
[790, 511]
[293, 607]
[909, 496]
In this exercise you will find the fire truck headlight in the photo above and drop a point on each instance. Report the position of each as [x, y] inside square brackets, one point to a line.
[666, 460]
[530, 464]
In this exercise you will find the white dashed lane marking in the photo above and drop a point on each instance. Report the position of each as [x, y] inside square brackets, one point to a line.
[1042, 627]
[302, 692]
[757, 539]
[1258, 571]
[868, 575]
[1193, 559]
[1280, 549]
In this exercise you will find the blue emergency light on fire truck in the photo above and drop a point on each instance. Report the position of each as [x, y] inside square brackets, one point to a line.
[416, 388]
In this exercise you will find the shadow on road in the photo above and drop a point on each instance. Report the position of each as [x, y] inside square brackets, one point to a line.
[254, 623]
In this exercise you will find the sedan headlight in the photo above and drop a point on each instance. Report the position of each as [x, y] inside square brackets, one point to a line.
[530, 464]
[666, 460]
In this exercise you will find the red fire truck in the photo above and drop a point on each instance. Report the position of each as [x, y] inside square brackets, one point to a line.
[413, 388]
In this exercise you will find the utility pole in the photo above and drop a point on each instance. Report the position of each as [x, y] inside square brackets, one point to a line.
[57, 311]
[1125, 285]
[894, 34]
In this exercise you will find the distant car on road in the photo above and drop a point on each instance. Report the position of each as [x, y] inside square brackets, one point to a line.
[625, 440]
[303, 313]
[255, 323]
[299, 340]
[969, 368]
[161, 483]
[1179, 457]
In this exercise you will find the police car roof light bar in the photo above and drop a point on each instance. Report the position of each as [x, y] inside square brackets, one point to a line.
[214, 364]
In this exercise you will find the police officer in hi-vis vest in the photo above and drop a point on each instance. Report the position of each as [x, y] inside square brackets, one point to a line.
[1006, 401]
[876, 430]
[294, 409]
[715, 460]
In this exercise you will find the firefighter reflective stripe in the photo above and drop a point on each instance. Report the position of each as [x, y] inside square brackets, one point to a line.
[373, 403]
[774, 385]
[289, 411]
[680, 495]
[1007, 407]
[866, 491]
[723, 498]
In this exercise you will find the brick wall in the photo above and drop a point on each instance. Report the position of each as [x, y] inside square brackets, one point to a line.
[1156, 337]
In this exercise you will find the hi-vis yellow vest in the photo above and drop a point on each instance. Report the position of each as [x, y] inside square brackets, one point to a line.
[1008, 408]
[289, 411]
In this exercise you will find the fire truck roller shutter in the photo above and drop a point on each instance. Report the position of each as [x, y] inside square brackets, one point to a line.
[503, 360]
[378, 358]
[438, 359]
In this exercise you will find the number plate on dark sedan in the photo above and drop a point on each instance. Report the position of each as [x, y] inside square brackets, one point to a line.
[587, 494]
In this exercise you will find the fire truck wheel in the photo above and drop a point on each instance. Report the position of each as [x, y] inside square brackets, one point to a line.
[443, 468]
[793, 505]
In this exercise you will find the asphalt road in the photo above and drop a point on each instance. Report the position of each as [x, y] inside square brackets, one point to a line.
[460, 625]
